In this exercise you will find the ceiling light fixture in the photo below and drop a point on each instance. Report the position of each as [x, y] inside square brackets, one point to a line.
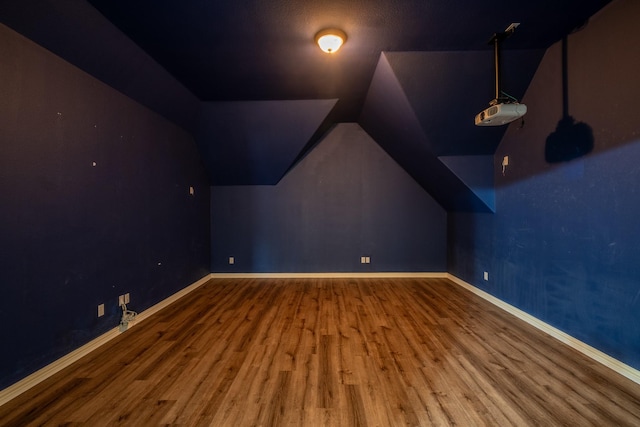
[330, 40]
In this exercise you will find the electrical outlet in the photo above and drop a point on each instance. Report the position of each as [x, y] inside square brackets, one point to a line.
[367, 260]
[126, 298]
[101, 310]
[363, 260]
[232, 260]
[121, 300]
[486, 275]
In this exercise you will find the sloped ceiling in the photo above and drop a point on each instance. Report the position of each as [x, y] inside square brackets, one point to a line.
[236, 137]
[428, 58]
[420, 107]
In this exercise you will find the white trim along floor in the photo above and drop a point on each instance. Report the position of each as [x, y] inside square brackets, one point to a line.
[56, 366]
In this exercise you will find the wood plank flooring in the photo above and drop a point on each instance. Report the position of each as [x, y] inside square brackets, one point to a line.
[331, 352]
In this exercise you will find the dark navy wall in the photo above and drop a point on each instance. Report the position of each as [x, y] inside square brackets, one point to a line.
[564, 242]
[75, 31]
[345, 200]
[75, 234]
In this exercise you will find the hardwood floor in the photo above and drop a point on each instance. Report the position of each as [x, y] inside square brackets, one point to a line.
[331, 352]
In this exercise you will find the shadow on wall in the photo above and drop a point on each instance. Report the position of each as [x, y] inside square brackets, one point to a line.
[570, 140]
[562, 244]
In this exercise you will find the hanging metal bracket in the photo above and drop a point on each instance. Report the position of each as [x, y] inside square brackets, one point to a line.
[495, 40]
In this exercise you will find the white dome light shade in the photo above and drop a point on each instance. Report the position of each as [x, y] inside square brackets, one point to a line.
[330, 40]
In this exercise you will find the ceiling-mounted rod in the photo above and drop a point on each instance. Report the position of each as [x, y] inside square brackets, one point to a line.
[503, 109]
[496, 58]
[495, 40]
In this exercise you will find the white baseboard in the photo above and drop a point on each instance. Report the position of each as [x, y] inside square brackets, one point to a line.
[53, 368]
[65, 361]
[170, 300]
[337, 275]
[591, 352]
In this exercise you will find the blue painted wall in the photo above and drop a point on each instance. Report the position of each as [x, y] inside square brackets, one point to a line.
[564, 242]
[73, 234]
[345, 200]
[77, 32]
[256, 142]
